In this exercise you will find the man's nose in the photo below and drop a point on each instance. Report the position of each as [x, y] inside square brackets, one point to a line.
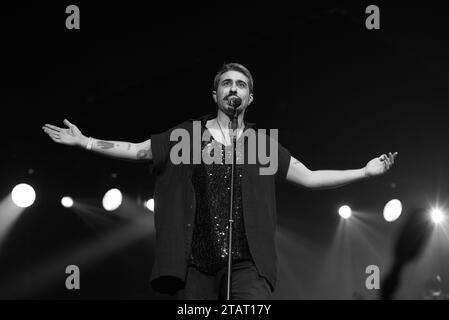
[233, 88]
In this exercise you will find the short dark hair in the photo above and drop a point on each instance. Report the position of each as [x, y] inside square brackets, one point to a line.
[234, 67]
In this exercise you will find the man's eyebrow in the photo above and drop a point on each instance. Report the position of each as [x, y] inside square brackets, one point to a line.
[238, 80]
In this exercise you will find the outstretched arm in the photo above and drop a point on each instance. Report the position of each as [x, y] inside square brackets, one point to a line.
[325, 179]
[116, 149]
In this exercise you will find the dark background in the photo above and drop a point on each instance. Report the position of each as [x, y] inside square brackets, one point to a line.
[338, 93]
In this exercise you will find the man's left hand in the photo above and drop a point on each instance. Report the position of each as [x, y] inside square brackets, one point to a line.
[380, 165]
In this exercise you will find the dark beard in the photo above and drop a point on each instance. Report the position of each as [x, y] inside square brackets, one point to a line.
[229, 111]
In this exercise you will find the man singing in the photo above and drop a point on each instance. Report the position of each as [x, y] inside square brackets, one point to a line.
[192, 198]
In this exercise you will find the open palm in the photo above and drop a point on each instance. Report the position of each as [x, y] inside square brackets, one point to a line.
[69, 136]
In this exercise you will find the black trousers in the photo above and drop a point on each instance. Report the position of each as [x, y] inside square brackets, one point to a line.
[246, 284]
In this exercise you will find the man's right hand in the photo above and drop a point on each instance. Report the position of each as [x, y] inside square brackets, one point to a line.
[70, 136]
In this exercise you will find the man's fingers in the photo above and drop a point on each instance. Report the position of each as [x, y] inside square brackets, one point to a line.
[391, 157]
[51, 131]
[388, 160]
[54, 135]
[67, 123]
[49, 126]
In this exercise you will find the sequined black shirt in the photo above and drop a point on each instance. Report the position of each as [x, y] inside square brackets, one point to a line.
[210, 233]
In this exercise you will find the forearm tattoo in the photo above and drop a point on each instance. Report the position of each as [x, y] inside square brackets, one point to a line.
[144, 154]
[105, 145]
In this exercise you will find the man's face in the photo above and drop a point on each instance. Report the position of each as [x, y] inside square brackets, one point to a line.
[232, 83]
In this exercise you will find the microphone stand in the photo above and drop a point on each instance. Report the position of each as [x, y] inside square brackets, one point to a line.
[233, 127]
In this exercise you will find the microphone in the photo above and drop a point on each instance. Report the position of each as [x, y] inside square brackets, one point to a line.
[234, 102]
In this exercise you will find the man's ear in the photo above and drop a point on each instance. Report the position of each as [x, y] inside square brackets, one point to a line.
[251, 98]
[214, 96]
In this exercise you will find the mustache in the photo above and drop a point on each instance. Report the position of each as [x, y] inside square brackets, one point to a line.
[231, 95]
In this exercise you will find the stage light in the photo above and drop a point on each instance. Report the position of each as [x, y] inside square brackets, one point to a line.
[150, 204]
[23, 195]
[345, 212]
[67, 202]
[437, 215]
[392, 210]
[112, 199]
